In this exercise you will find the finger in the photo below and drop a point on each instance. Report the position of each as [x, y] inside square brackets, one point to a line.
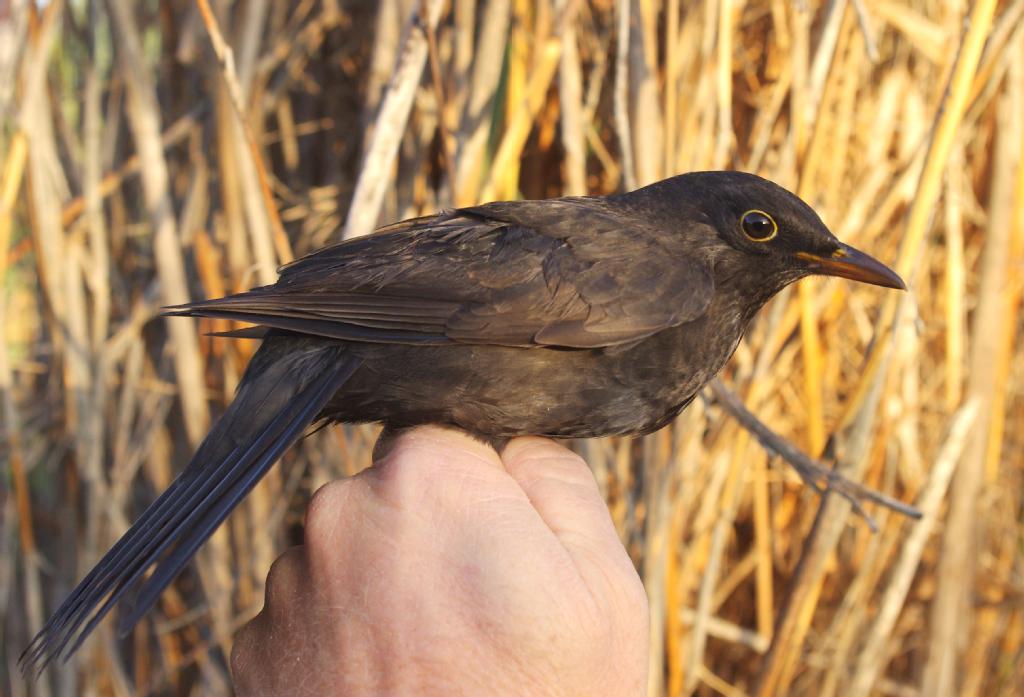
[562, 489]
[429, 475]
[389, 435]
[429, 463]
[430, 443]
[246, 660]
[286, 579]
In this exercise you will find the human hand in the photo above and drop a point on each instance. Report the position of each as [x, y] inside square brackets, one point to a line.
[448, 570]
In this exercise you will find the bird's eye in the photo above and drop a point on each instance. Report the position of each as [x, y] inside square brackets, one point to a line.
[758, 226]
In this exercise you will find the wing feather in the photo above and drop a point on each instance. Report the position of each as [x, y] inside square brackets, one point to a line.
[562, 273]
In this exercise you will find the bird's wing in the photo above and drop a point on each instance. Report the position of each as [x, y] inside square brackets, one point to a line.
[560, 273]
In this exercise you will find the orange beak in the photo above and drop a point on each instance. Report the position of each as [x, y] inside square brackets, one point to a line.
[848, 262]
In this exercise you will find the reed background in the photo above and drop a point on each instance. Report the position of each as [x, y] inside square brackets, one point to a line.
[129, 181]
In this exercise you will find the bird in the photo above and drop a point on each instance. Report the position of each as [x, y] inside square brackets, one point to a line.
[571, 317]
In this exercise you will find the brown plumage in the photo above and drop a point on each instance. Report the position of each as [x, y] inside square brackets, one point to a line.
[570, 317]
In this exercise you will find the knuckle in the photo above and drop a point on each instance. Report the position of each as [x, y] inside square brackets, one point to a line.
[634, 594]
[323, 512]
[431, 479]
[409, 470]
[241, 657]
[282, 577]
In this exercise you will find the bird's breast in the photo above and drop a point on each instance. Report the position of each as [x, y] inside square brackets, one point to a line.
[506, 392]
[669, 369]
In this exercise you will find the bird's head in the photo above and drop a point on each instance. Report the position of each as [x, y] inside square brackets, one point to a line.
[766, 233]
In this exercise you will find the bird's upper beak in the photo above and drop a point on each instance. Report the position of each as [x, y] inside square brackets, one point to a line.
[854, 264]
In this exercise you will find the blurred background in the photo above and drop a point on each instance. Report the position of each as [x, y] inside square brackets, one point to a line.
[167, 150]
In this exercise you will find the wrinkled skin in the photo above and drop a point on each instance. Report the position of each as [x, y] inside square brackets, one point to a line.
[447, 570]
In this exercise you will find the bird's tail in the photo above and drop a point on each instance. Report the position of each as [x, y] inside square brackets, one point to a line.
[286, 385]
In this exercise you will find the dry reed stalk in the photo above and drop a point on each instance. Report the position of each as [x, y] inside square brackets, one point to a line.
[443, 108]
[110, 183]
[144, 118]
[926, 36]
[231, 216]
[798, 110]
[1007, 28]
[820, 94]
[645, 114]
[271, 246]
[390, 124]
[20, 514]
[756, 393]
[841, 100]
[464, 22]
[1012, 292]
[847, 623]
[571, 108]
[728, 505]
[805, 587]
[472, 134]
[546, 55]
[31, 150]
[388, 24]
[695, 558]
[955, 103]
[723, 84]
[955, 279]
[718, 684]
[623, 127]
[10, 184]
[869, 662]
[236, 92]
[993, 617]
[951, 611]
[655, 560]
[671, 87]
[265, 240]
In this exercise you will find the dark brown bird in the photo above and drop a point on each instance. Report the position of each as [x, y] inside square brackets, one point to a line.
[571, 317]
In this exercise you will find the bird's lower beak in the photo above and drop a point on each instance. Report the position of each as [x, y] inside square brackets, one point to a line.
[848, 262]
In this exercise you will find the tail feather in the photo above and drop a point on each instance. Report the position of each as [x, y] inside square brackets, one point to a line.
[285, 387]
[61, 626]
[262, 454]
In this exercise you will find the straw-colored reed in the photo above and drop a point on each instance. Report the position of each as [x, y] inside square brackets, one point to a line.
[155, 152]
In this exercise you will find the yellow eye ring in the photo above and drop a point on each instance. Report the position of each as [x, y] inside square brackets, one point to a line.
[758, 226]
